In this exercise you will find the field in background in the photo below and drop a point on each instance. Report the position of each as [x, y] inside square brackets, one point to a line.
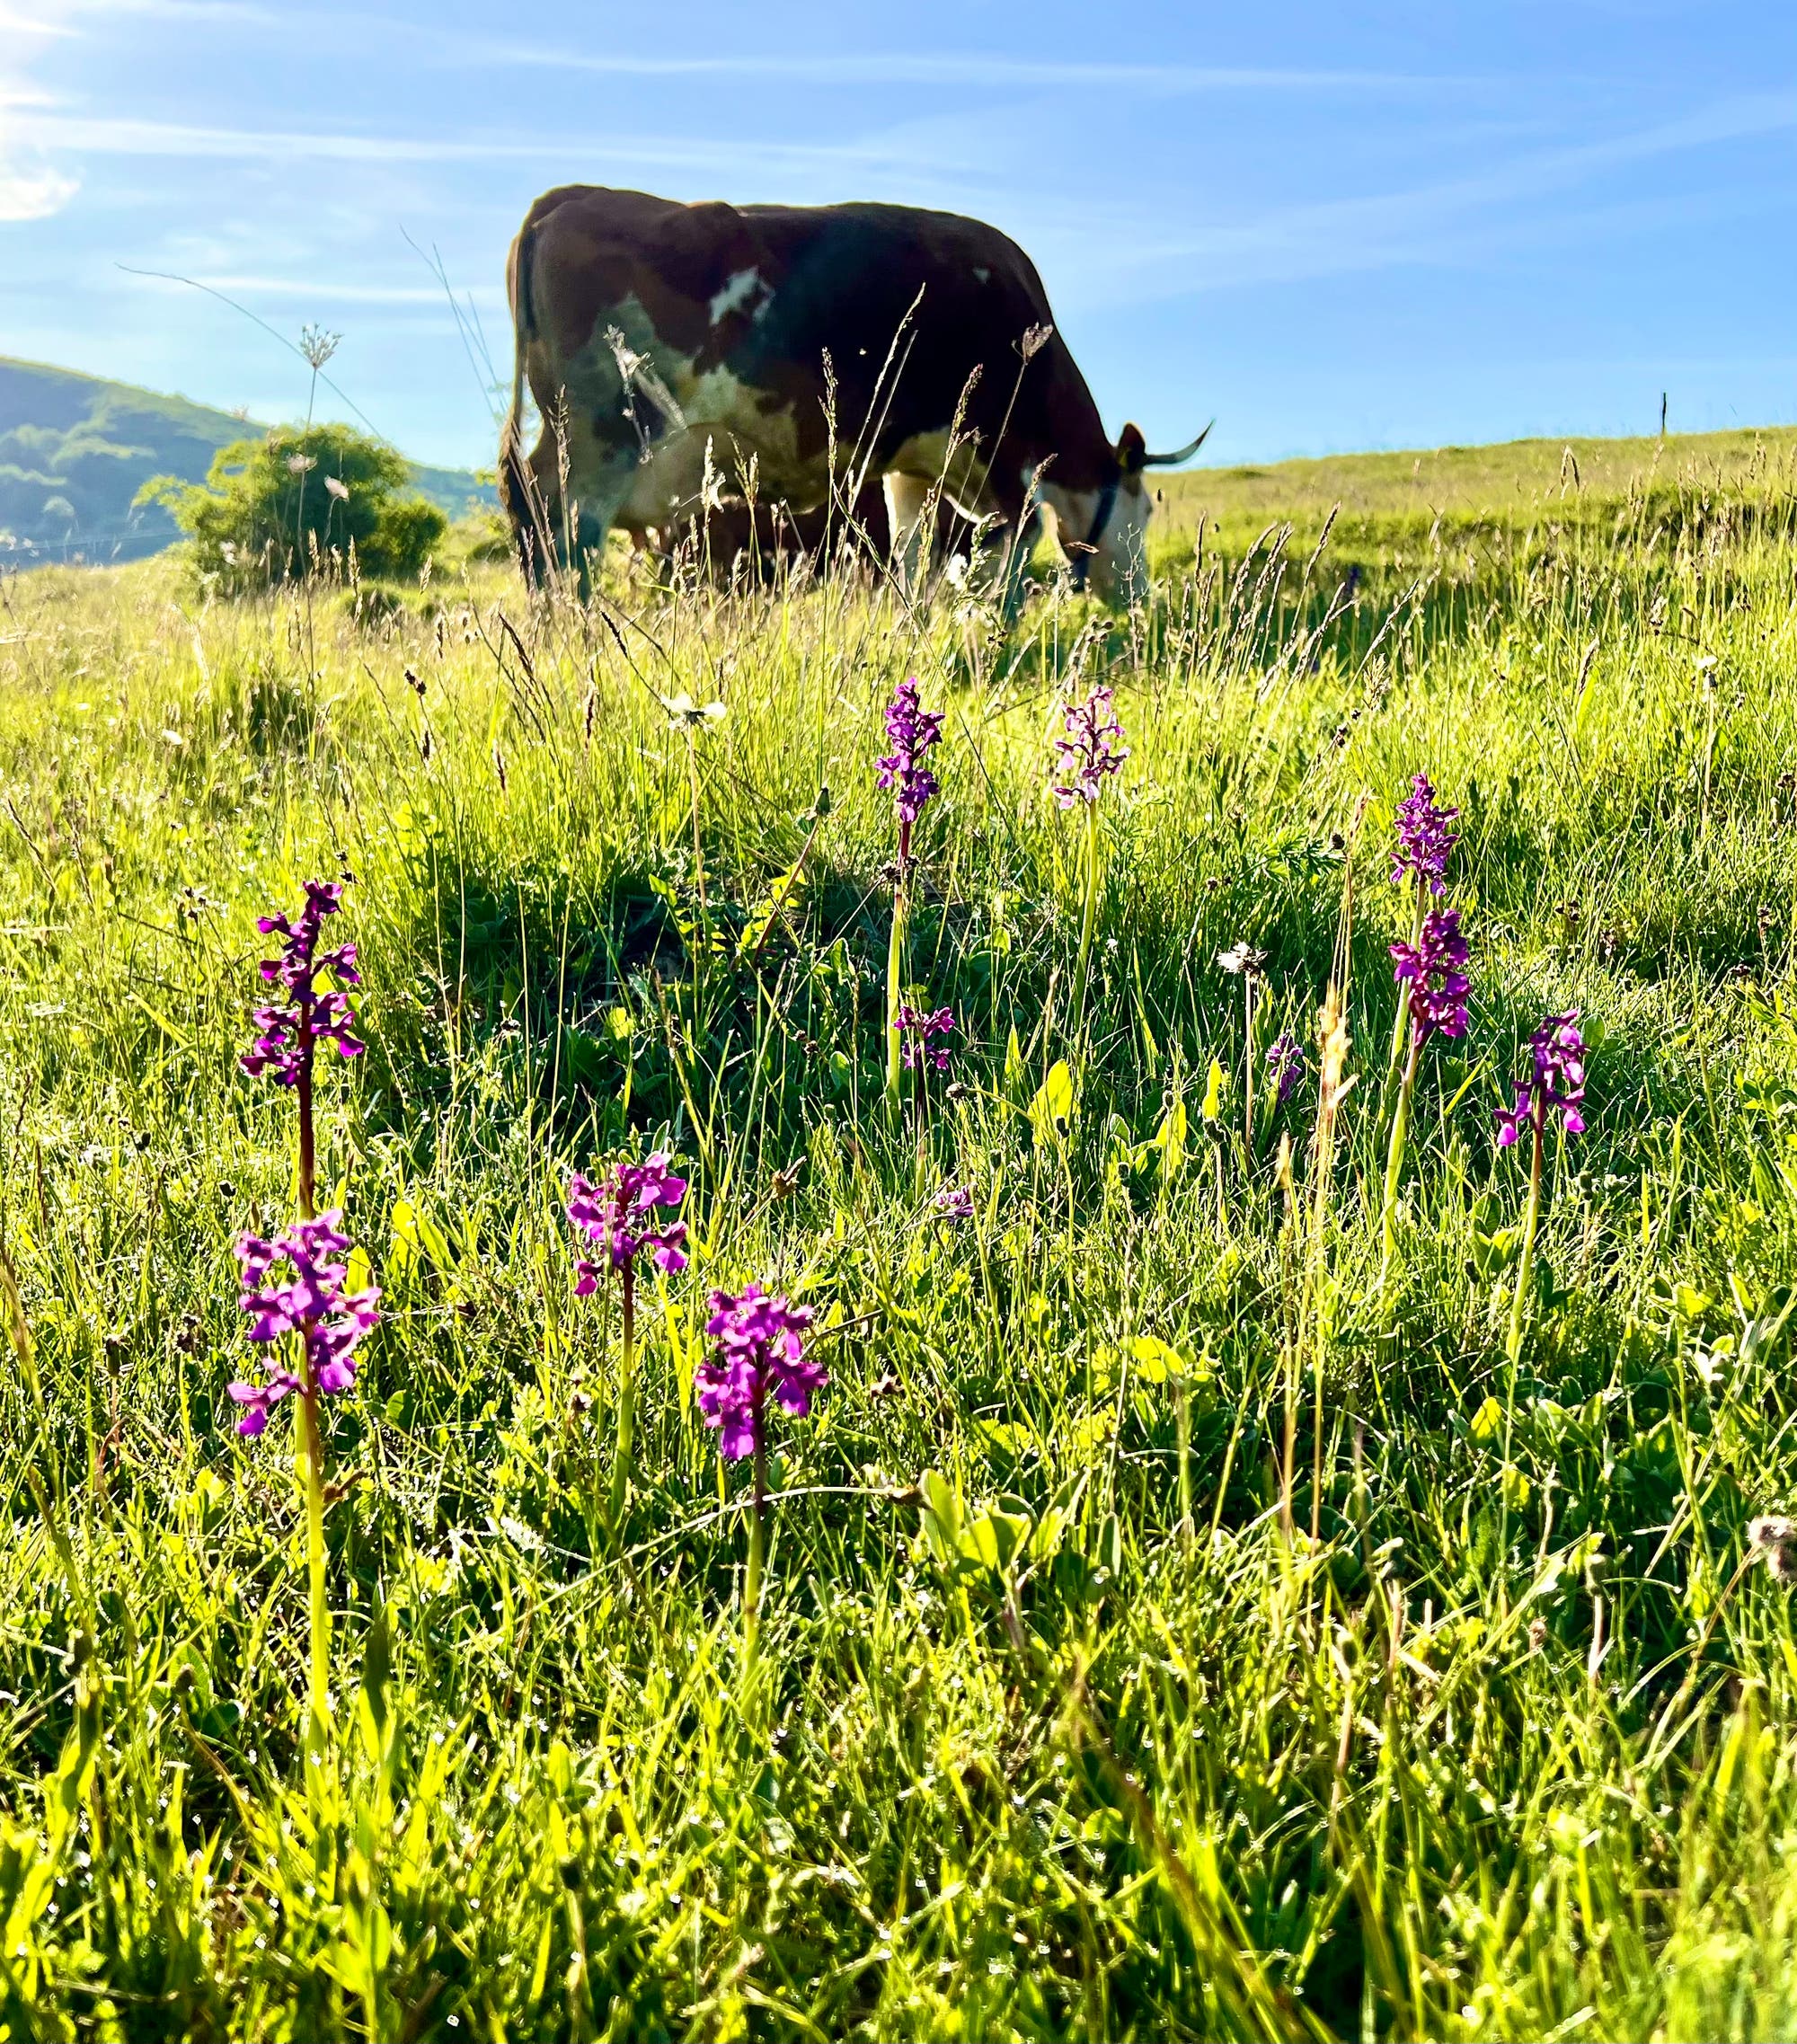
[1171, 1630]
[1388, 506]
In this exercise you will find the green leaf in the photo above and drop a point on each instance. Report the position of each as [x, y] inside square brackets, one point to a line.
[1170, 1140]
[1493, 1254]
[993, 1537]
[1014, 1068]
[1155, 1361]
[1051, 1110]
[376, 1674]
[1689, 1304]
[1213, 1093]
[941, 1515]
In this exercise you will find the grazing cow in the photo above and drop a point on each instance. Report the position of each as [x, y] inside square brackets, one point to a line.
[790, 352]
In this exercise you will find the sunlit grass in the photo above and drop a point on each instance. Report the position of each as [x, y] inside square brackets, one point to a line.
[1060, 1720]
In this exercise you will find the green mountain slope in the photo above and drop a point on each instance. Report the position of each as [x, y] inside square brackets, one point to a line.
[74, 450]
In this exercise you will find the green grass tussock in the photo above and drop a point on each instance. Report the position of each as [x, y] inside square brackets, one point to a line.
[1170, 1627]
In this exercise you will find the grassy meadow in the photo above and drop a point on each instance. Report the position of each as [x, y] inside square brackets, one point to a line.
[1179, 1618]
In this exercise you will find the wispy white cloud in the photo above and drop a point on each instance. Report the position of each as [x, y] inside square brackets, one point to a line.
[973, 71]
[33, 21]
[1421, 224]
[447, 47]
[31, 193]
[31, 188]
[85, 134]
[214, 13]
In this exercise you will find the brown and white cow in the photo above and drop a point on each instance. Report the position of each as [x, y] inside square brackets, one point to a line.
[790, 352]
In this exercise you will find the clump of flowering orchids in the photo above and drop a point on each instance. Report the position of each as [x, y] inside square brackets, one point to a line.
[311, 1314]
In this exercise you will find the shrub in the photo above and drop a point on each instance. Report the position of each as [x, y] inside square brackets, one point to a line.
[302, 498]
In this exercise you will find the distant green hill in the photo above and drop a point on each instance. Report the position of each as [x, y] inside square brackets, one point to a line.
[74, 450]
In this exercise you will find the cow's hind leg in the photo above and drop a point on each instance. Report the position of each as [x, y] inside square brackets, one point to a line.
[1011, 544]
[906, 499]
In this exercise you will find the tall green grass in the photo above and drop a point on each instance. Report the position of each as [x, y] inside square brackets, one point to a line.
[1166, 1632]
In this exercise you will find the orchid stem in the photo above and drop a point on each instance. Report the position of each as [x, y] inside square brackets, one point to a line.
[626, 1425]
[1248, 1071]
[308, 1152]
[1400, 1027]
[312, 1484]
[311, 1457]
[758, 1538]
[1394, 1162]
[1532, 1221]
[1089, 916]
[895, 988]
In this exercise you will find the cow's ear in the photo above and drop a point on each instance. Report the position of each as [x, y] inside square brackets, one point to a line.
[1132, 450]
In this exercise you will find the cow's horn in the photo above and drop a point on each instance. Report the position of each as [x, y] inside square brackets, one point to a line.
[1185, 453]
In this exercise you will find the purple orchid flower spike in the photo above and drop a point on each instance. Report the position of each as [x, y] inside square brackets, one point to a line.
[1285, 1062]
[953, 1203]
[289, 1030]
[1556, 1085]
[916, 1028]
[1424, 840]
[761, 1353]
[910, 730]
[1090, 748]
[1434, 970]
[616, 1212]
[312, 1303]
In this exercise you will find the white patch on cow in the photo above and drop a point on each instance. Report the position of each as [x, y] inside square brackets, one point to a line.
[736, 294]
[982, 275]
[928, 456]
[748, 439]
[1117, 565]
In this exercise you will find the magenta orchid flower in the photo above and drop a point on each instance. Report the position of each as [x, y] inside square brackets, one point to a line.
[917, 1028]
[289, 1030]
[1090, 748]
[1424, 839]
[312, 1303]
[1434, 970]
[1556, 1085]
[615, 1214]
[761, 1354]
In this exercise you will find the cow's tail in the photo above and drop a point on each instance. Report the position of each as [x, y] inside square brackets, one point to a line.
[518, 492]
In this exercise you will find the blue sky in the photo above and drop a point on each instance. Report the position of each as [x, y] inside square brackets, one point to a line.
[1332, 225]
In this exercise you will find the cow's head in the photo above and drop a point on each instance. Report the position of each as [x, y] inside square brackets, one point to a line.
[1105, 531]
